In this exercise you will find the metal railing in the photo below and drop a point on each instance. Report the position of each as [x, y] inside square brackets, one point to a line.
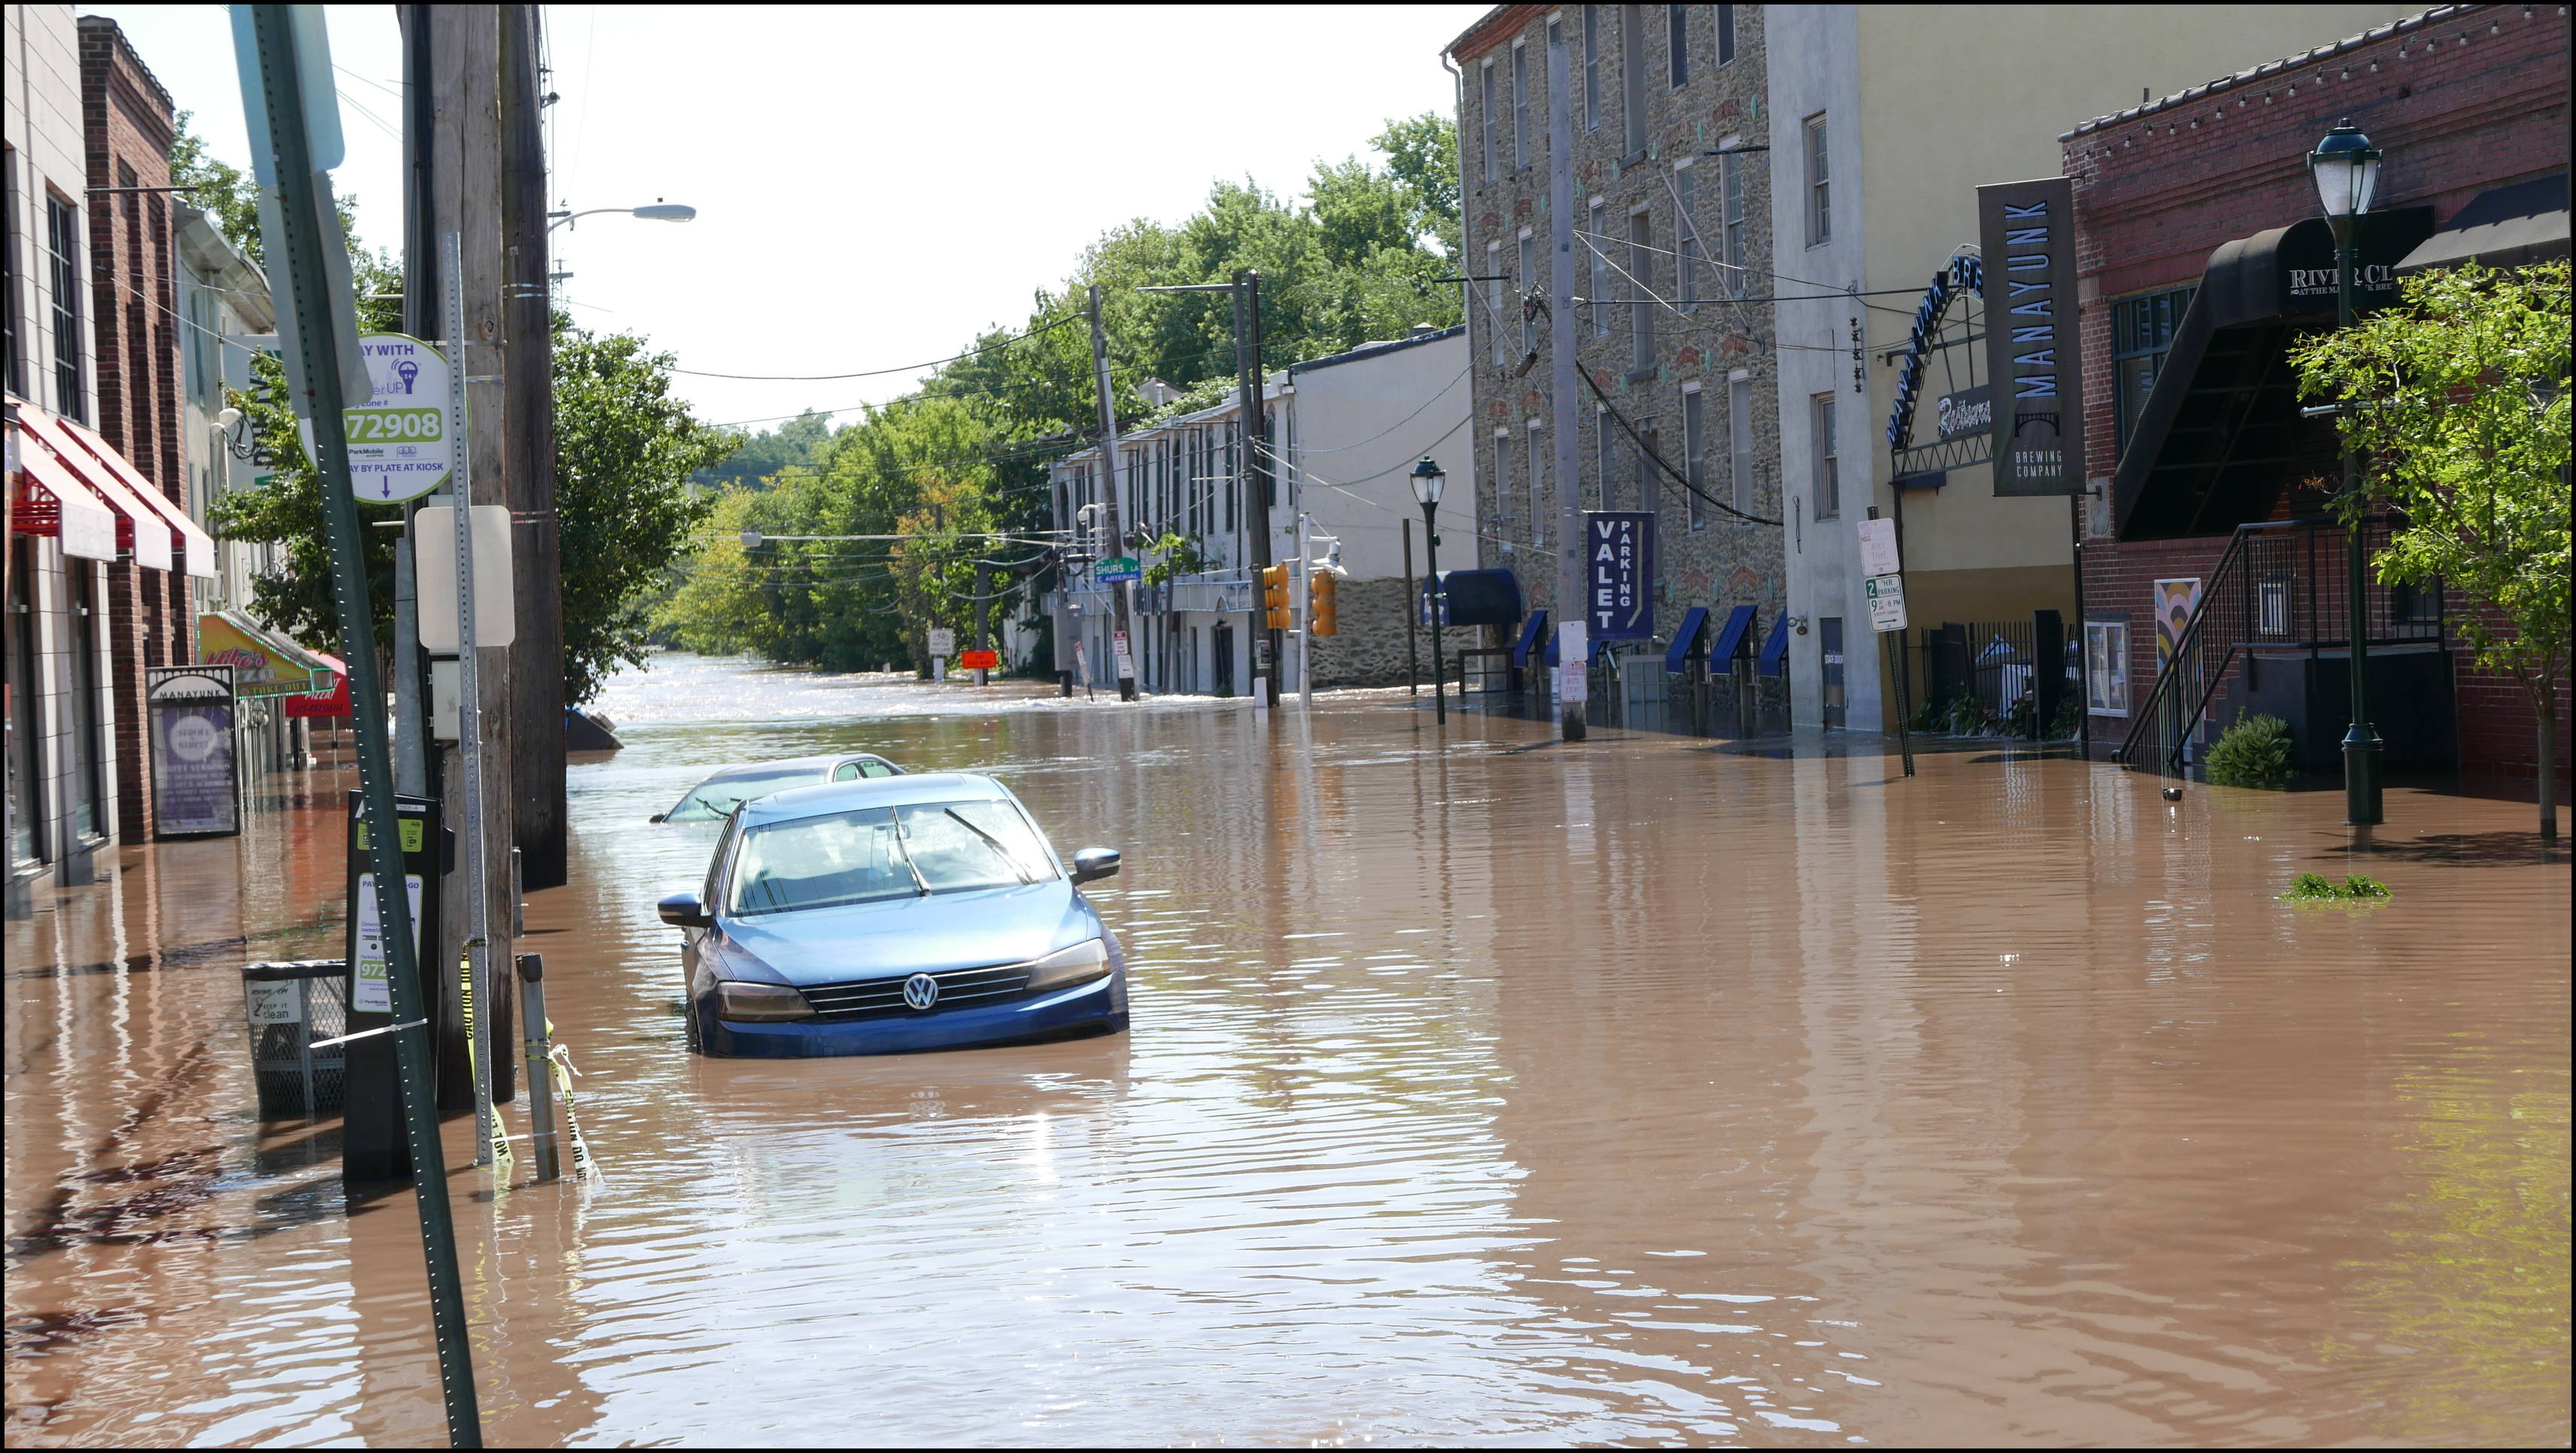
[2281, 585]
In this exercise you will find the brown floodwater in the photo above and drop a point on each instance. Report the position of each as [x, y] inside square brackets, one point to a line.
[1482, 1088]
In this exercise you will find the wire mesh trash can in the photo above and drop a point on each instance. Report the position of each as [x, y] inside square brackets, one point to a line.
[289, 1006]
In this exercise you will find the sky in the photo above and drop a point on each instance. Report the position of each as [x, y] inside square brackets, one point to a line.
[874, 185]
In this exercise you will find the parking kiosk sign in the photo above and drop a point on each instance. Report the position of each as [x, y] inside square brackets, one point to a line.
[398, 442]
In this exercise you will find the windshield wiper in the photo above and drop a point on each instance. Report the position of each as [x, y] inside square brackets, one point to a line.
[1005, 853]
[904, 843]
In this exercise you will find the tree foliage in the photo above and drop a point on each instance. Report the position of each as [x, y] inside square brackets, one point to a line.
[1353, 261]
[2460, 396]
[623, 510]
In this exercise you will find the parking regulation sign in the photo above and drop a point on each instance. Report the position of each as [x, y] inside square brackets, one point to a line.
[398, 443]
[1619, 570]
[1886, 596]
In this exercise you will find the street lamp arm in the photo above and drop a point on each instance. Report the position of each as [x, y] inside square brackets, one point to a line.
[655, 212]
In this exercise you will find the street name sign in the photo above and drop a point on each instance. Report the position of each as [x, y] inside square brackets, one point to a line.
[1115, 569]
[398, 443]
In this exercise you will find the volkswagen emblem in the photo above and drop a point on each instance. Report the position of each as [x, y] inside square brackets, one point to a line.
[921, 991]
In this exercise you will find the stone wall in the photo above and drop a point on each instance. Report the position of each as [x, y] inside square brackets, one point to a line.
[1369, 651]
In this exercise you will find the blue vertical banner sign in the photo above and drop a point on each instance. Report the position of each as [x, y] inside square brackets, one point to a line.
[1619, 573]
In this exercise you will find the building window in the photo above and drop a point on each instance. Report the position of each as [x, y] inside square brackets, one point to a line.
[88, 799]
[1520, 107]
[1695, 457]
[1529, 281]
[1686, 243]
[1632, 77]
[1641, 291]
[2142, 331]
[1487, 121]
[1537, 474]
[62, 238]
[1598, 240]
[2106, 668]
[1820, 210]
[1737, 241]
[1739, 440]
[1503, 484]
[17, 370]
[1591, 67]
[1829, 485]
[1650, 479]
[1494, 294]
[1725, 34]
[1677, 41]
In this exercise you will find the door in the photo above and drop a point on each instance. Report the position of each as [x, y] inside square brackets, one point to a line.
[1831, 630]
[1221, 648]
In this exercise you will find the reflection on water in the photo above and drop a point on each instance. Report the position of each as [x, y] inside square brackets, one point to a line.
[1637, 1091]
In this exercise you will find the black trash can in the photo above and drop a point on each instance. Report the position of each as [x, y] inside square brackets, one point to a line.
[290, 1005]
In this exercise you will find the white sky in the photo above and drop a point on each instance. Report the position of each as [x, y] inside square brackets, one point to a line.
[873, 185]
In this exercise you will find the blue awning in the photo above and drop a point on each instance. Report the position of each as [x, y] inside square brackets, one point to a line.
[1735, 638]
[1694, 621]
[1530, 630]
[1775, 651]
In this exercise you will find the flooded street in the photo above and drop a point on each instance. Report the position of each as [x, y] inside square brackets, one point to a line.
[1481, 1088]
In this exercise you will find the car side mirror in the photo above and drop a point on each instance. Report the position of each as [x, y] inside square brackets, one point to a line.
[683, 910]
[657, 817]
[1093, 863]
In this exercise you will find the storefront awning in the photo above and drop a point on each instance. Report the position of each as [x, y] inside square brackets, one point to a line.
[139, 532]
[2503, 227]
[44, 499]
[2220, 439]
[189, 546]
[264, 662]
[331, 703]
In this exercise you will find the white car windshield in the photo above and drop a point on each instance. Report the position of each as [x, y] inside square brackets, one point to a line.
[870, 853]
[720, 794]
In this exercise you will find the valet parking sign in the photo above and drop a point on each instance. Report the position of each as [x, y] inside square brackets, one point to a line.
[1619, 546]
[398, 441]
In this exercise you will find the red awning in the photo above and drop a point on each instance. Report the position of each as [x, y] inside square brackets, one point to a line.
[334, 702]
[138, 529]
[44, 499]
[188, 539]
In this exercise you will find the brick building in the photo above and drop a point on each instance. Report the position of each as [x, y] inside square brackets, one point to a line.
[2202, 259]
[127, 123]
[1672, 258]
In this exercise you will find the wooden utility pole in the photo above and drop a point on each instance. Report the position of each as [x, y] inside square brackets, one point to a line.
[1122, 651]
[1255, 480]
[466, 185]
[528, 374]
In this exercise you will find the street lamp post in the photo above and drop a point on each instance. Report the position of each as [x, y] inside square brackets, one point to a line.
[2345, 167]
[1427, 481]
[658, 211]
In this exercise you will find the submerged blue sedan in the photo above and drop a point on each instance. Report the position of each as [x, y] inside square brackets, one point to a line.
[903, 913]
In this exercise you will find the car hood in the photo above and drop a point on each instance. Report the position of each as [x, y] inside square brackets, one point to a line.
[908, 935]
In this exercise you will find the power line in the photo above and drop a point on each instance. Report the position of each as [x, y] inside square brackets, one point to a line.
[880, 372]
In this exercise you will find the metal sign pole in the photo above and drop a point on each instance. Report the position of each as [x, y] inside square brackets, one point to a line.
[469, 694]
[268, 41]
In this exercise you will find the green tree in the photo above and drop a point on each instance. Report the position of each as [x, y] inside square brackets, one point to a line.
[624, 451]
[756, 457]
[2461, 394]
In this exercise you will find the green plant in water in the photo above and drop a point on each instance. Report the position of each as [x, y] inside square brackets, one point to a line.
[2255, 752]
[2316, 888]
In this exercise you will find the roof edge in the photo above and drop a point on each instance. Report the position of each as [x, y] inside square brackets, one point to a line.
[2267, 70]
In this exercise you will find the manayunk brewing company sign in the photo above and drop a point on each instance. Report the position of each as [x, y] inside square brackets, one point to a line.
[2027, 235]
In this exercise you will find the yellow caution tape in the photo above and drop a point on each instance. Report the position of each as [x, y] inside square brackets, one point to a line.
[560, 1058]
[501, 1159]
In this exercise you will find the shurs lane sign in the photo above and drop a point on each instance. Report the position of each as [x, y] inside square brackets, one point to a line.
[1619, 548]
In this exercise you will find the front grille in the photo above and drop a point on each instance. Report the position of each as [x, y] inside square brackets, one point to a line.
[883, 998]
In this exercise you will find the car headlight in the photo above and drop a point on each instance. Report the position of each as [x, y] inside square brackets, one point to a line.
[1083, 962]
[754, 1003]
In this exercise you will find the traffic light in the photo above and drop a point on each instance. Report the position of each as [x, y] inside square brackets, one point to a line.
[1322, 619]
[1278, 613]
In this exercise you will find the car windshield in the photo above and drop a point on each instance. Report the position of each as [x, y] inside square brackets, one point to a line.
[720, 794]
[870, 853]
